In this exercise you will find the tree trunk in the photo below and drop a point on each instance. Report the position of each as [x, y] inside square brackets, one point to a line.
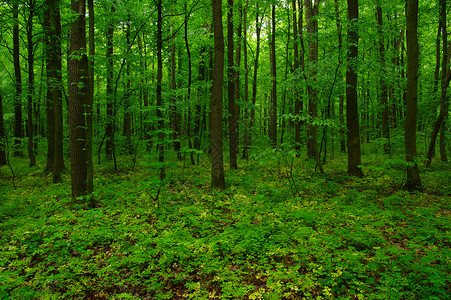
[110, 109]
[297, 94]
[90, 99]
[217, 166]
[341, 96]
[236, 92]
[3, 160]
[78, 89]
[176, 117]
[273, 107]
[127, 114]
[413, 173]
[17, 83]
[246, 86]
[231, 89]
[312, 29]
[352, 114]
[30, 96]
[159, 95]
[52, 23]
[382, 83]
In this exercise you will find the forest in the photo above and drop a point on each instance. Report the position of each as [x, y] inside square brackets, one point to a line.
[236, 149]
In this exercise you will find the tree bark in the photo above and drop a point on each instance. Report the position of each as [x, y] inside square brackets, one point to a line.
[18, 134]
[52, 23]
[383, 95]
[231, 89]
[297, 94]
[30, 96]
[217, 166]
[312, 29]
[90, 98]
[341, 96]
[78, 89]
[273, 106]
[246, 86]
[159, 103]
[410, 142]
[352, 114]
[258, 25]
[3, 160]
[110, 108]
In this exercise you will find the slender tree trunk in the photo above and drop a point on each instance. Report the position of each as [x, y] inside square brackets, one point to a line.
[231, 89]
[297, 94]
[341, 94]
[236, 86]
[30, 96]
[90, 99]
[246, 87]
[352, 114]
[273, 107]
[3, 160]
[413, 173]
[312, 29]
[110, 109]
[175, 111]
[383, 95]
[127, 114]
[217, 166]
[188, 96]
[78, 89]
[17, 83]
[159, 95]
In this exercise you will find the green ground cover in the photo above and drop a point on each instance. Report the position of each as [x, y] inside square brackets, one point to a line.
[274, 233]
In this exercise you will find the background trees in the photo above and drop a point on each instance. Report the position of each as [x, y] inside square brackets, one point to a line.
[154, 73]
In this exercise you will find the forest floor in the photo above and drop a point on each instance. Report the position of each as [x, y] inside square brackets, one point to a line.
[280, 230]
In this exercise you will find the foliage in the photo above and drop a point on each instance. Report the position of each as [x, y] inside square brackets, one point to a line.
[338, 237]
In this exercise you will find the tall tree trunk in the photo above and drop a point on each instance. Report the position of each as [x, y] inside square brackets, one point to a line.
[231, 89]
[273, 107]
[246, 87]
[383, 95]
[297, 94]
[78, 89]
[176, 116]
[17, 82]
[127, 132]
[3, 160]
[352, 114]
[312, 29]
[90, 98]
[159, 95]
[188, 96]
[413, 173]
[110, 109]
[30, 96]
[341, 95]
[52, 23]
[217, 166]
[236, 86]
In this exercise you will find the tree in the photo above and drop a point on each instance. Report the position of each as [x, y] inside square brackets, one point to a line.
[311, 16]
[352, 115]
[383, 96]
[410, 137]
[217, 165]
[159, 103]
[233, 117]
[273, 106]
[90, 98]
[52, 24]
[110, 105]
[297, 94]
[3, 160]
[30, 49]
[17, 81]
[78, 89]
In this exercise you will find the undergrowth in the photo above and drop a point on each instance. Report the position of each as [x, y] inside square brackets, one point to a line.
[279, 231]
